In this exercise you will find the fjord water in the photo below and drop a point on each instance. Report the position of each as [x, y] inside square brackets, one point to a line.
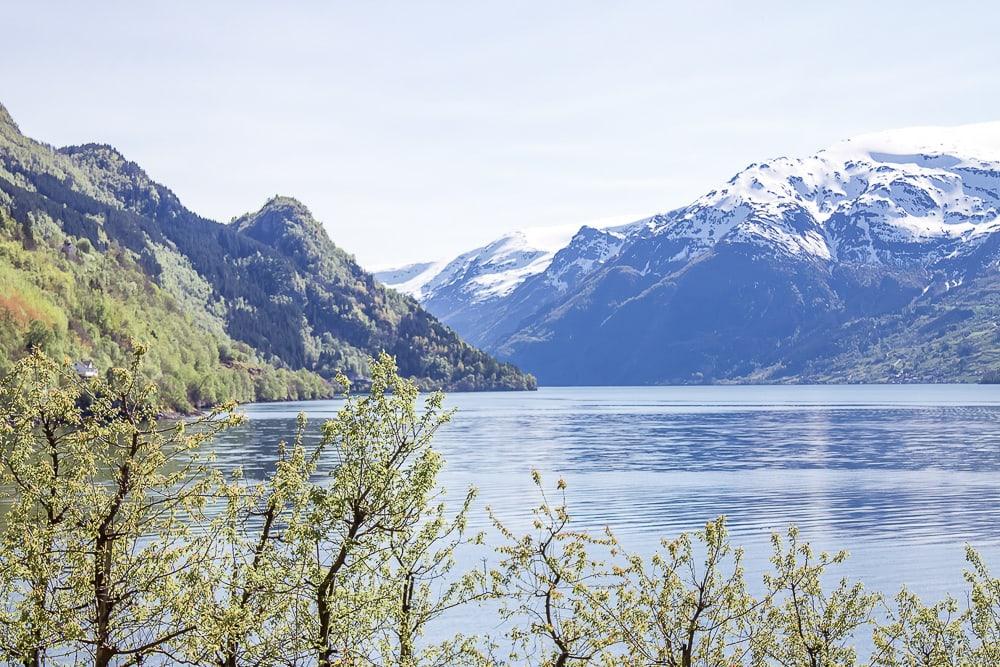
[902, 476]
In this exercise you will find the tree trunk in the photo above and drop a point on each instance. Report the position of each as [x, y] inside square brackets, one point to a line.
[325, 653]
[33, 659]
[229, 659]
[35, 656]
[406, 623]
[103, 604]
[232, 648]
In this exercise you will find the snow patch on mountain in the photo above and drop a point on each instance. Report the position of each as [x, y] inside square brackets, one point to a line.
[976, 142]
[490, 272]
[411, 278]
[507, 262]
[920, 185]
[589, 249]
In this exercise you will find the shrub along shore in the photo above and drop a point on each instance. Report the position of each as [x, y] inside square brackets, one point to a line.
[122, 544]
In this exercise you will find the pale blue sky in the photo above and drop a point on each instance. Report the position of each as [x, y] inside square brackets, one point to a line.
[415, 130]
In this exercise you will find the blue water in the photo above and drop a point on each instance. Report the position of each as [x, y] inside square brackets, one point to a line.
[901, 476]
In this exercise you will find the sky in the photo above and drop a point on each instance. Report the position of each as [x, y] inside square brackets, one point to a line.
[417, 130]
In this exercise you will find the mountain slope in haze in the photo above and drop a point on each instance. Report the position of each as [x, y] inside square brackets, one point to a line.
[268, 297]
[874, 260]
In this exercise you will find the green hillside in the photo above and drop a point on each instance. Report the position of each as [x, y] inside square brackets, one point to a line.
[94, 254]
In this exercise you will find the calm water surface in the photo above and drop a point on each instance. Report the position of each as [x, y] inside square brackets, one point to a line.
[901, 476]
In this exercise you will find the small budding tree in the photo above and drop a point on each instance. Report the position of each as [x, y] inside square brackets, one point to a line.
[943, 634]
[688, 605]
[426, 587]
[381, 480]
[102, 496]
[252, 617]
[146, 491]
[44, 463]
[984, 610]
[336, 556]
[919, 635]
[808, 626]
[556, 593]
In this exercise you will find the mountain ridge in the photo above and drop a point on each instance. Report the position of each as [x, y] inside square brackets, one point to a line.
[278, 299]
[769, 276]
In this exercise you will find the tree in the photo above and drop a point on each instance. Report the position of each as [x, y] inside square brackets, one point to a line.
[421, 567]
[43, 466]
[109, 495]
[809, 627]
[39, 337]
[382, 477]
[919, 635]
[556, 593]
[138, 544]
[120, 543]
[250, 617]
[681, 610]
[984, 610]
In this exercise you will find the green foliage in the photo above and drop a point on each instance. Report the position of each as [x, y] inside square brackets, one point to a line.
[337, 556]
[807, 625]
[689, 606]
[92, 306]
[40, 337]
[556, 593]
[252, 620]
[120, 543]
[675, 612]
[102, 498]
[918, 634]
[949, 335]
[381, 484]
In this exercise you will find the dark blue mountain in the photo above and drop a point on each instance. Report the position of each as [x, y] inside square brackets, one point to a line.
[874, 260]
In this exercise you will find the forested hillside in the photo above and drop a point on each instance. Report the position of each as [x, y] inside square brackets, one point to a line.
[94, 254]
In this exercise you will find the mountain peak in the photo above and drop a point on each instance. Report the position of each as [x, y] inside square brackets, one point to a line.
[285, 224]
[286, 202]
[7, 120]
[289, 207]
[106, 151]
[279, 216]
[104, 157]
[978, 141]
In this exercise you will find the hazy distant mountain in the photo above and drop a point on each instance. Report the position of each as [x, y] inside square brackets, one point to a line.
[93, 252]
[873, 260]
[474, 293]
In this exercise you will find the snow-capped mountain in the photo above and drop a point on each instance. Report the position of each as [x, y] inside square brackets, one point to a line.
[401, 278]
[833, 266]
[489, 272]
[464, 290]
[858, 200]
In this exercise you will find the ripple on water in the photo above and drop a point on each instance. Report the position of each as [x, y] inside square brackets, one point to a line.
[901, 476]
